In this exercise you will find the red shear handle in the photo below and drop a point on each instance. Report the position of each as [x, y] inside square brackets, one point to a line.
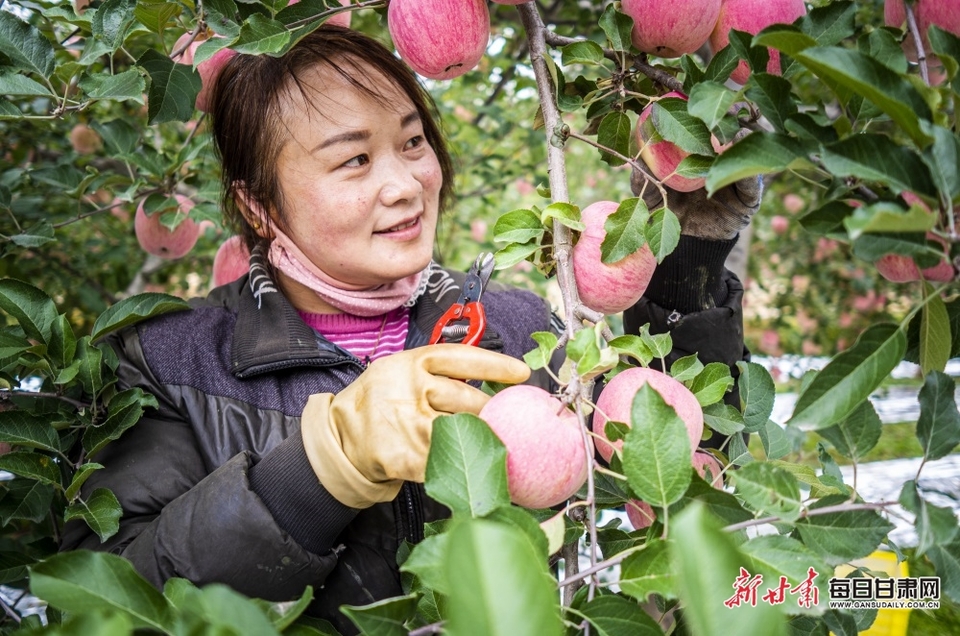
[471, 311]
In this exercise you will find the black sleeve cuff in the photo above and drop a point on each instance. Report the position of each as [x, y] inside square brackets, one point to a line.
[691, 277]
[288, 487]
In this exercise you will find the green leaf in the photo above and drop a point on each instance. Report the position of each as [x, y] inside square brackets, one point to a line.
[831, 23]
[564, 213]
[261, 35]
[546, 346]
[35, 235]
[757, 153]
[30, 465]
[112, 21]
[624, 231]
[656, 451]
[946, 563]
[13, 566]
[518, 226]
[502, 592]
[32, 308]
[772, 95]
[768, 489]
[19, 428]
[132, 310]
[856, 434]
[157, 15]
[673, 122]
[774, 440]
[122, 414]
[938, 427]
[63, 342]
[80, 581]
[686, 368]
[891, 92]
[712, 383]
[663, 233]
[515, 253]
[582, 52]
[17, 84]
[91, 366]
[383, 618]
[935, 526]
[723, 418]
[101, 511]
[467, 466]
[660, 344]
[173, 88]
[805, 475]
[25, 46]
[618, 28]
[79, 478]
[874, 157]
[942, 158]
[710, 101]
[25, 499]
[128, 85]
[648, 572]
[427, 561]
[887, 217]
[632, 346]
[780, 555]
[614, 133]
[612, 615]
[842, 536]
[935, 338]
[706, 564]
[850, 377]
[757, 395]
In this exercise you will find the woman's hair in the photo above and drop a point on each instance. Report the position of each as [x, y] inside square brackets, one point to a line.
[248, 130]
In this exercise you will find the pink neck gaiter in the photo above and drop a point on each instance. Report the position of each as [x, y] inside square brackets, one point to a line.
[351, 299]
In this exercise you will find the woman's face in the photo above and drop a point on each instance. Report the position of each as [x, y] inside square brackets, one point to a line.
[359, 181]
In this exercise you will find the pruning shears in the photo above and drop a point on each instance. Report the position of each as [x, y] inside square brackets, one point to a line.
[467, 307]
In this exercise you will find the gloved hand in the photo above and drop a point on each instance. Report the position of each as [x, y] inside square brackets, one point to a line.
[365, 441]
[720, 217]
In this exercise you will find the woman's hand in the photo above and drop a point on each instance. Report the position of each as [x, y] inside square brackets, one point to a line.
[364, 442]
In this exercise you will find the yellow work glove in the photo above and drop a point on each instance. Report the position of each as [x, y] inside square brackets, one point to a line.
[365, 441]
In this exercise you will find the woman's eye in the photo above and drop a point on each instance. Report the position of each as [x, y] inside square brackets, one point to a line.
[357, 161]
[416, 142]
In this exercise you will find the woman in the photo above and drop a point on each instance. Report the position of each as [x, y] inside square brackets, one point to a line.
[295, 405]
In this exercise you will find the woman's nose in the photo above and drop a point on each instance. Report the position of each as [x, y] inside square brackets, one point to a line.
[400, 182]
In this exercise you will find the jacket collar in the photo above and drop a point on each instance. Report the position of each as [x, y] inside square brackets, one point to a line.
[270, 334]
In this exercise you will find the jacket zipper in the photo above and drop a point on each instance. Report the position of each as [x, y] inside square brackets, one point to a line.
[414, 532]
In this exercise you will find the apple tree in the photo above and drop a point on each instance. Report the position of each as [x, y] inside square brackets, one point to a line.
[861, 111]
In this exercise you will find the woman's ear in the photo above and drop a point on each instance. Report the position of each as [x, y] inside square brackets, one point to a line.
[253, 213]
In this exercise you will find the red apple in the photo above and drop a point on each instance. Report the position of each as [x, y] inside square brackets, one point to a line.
[661, 156]
[157, 239]
[231, 261]
[753, 16]
[670, 29]
[705, 462]
[439, 39]
[340, 19]
[942, 13]
[85, 140]
[209, 69]
[616, 402]
[793, 202]
[608, 288]
[640, 514]
[546, 452]
[779, 224]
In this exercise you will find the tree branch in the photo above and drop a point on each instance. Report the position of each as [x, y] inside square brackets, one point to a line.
[7, 394]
